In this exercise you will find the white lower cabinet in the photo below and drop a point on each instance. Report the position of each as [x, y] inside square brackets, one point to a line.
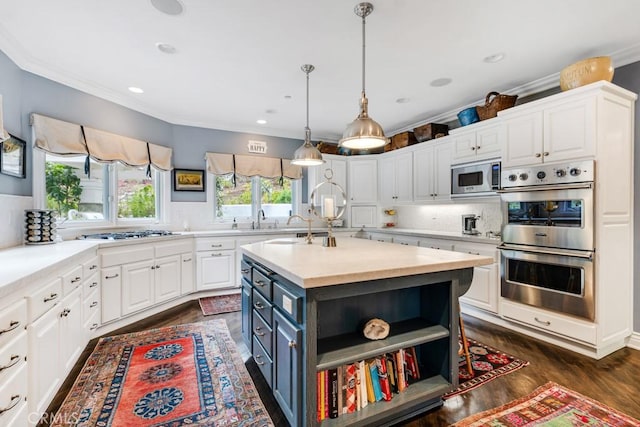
[111, 291]
[137, 286]
[72, 336]
[13, 367]
[428, 242]
[13, 394]
[484, 289]
[215, 263]
[187, 274]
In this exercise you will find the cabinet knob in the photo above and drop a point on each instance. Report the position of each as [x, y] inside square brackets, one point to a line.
[93, 327]
[292, 344]
[478, 147]
[12, 325]
[12, 362]
[15, 399]
[538, 155]
[65, 312]
[546, 153]
[257, 331]
[153, 267]
[473, 148]
[258, 305]
[93, 304]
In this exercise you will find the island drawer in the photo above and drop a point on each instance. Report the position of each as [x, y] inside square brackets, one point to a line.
[262, 283]
[245, 270]
[262, 331]
[263, 360]
[288, 302]
[262, 306]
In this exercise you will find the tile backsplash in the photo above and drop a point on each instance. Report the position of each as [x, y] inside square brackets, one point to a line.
[448, 217]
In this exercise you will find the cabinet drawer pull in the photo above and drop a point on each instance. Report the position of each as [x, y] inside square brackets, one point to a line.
[258, 305]
[51, 297]
[15, 399]
[473, 253]
[186, 260]
[112, 276]
[65, 312]
[12, 325]
[544, 322]
[93, 327]
[218, 254]
[93, 304]
[12, 362]
[257, 331]
[76, 279]
[245, 270]
[93, 267]
[260, 283]
[219, 245]
[292, 344]
[93, 284]
[259, 357]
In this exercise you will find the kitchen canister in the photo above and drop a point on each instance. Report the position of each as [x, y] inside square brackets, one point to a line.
[468, 116]
[40, 227]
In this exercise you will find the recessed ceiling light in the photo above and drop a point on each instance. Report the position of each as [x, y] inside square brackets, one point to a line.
[441, 82]
[135, 89]
[491, 59]
[402, 100]
[261, 121]
[166, 48]
[170, 7]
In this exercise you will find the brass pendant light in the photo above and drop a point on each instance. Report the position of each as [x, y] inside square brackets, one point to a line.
[307, 154]
[363, 132]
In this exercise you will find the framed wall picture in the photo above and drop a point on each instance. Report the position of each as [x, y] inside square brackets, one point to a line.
[12, 157]
[188, 180]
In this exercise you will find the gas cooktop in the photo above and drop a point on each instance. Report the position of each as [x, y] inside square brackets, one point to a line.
[121, 235]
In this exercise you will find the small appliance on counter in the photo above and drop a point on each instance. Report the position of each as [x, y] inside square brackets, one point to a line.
[469, 224]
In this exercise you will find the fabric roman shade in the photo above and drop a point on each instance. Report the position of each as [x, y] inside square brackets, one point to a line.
[245, 165]
[64, 138]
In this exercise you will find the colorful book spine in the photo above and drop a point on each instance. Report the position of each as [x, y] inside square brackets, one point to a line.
[371, 396]
[385, 385]
[327, 386]
[342, 390]
[400, 377]
[333, 393]
[319, 396]
[391, 372]
[416, 361]
[375, 379]
[363, 384]
[351, 388]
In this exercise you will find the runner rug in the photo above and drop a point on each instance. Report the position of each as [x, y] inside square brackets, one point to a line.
[180, 375]
[220, 304]
[551, 406]
[487, 363]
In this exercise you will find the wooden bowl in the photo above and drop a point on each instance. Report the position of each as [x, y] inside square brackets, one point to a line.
[586, 71]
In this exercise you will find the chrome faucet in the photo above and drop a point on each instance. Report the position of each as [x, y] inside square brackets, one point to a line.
[309, 237]
[260, 214]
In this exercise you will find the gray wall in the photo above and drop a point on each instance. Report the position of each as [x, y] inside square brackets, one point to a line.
[25, 93]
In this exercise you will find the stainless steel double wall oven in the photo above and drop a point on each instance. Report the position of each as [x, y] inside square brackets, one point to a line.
[548, 243]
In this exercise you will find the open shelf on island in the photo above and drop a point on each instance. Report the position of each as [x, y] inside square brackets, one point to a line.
[348, 348]
[431, 388]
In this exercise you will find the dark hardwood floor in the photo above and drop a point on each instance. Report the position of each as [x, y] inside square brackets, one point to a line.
[613, 380]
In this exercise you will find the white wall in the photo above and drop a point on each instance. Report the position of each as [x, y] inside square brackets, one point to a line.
[12, 226]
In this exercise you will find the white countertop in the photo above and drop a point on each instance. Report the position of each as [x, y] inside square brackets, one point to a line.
[353, 260]
[449, 235]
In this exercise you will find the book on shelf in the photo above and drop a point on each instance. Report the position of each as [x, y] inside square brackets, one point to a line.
[375, 379]
[351, 388]
[342, 401]
[332, 391]
[385, 385]
[391, 372]
[319, 396]
[370, 394]
[400, 377]
[364, 401]
[416, 361]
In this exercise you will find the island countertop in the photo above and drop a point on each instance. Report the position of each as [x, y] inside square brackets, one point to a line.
[353, 260]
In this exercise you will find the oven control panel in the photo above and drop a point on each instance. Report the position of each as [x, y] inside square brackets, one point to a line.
[548, 174]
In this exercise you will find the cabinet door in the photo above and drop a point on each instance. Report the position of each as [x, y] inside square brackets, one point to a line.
[522, 140]
[72, 333]
[570, 130]
[187, 280]
[442, 171]
[246, 314]
[485, 286]
[404, 177]
[489, 143]
[287, 367]
[363, 216]
[423, 162]
[464, 147]
[111, 289]
[167, 278]
[387, 179]
[215, 269]
[43, 361]
[363, 182]
[137, 286]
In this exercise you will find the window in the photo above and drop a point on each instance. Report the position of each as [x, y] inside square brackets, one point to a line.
[275, 197]
[78, 198]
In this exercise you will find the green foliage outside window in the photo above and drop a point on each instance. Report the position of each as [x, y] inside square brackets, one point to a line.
[63, 188]
[140, 204]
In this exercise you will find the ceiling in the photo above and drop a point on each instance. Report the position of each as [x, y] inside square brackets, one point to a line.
[237, 61]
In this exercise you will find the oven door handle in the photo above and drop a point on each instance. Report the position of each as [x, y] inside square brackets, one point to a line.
[547, 251]
[579, 186]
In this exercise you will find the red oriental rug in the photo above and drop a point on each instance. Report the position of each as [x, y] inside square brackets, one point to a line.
[220, 304]
[487, 363]
[180, 375]
[550, 406]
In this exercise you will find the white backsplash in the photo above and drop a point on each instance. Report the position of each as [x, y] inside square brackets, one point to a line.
[12, 225]
[448, 217]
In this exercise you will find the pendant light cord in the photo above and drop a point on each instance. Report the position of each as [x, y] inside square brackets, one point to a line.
[363, 51]
[307, 72]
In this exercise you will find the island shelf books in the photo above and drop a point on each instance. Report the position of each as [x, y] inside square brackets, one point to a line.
[349, 388]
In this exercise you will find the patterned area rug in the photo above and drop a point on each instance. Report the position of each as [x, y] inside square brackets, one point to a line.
[220, 304]
[551, 406]
[180, 375]
[487, 363]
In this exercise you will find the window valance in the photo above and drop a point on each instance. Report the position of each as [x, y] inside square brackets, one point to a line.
[245, 165]
[64, 138]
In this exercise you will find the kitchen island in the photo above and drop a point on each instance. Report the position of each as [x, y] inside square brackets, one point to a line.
[304, 306]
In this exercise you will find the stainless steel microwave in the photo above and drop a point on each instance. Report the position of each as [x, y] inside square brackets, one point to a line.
[475, 179]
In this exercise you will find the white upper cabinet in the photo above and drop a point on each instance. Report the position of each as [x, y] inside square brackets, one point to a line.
[479, 141]
[432, 171]
[363, 180]
[561, 129]
[395, 174]
[338, 173]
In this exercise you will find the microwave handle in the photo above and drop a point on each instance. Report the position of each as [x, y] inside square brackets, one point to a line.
[587, 185]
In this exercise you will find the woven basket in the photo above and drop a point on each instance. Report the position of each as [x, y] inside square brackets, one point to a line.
[493, 105]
